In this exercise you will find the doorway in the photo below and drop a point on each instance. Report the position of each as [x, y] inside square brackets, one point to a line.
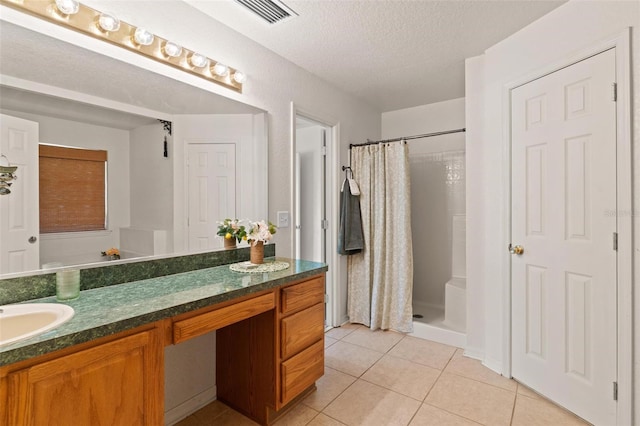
[564, 258]
[313, 204]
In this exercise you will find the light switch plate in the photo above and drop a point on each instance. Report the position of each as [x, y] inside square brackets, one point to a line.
[283, 219]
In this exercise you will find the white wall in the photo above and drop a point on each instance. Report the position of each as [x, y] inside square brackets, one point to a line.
[85, 247]
[151, 179]
[563, 33]
[190, 376]
[436, 117]
[308, 145]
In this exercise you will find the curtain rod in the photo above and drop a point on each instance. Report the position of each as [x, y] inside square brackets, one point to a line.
[427, 135]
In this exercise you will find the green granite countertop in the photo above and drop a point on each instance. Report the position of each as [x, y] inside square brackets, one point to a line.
[108, 310]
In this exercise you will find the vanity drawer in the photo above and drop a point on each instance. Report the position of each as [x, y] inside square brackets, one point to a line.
[302, 329]
[200, 324]
[301, 371]
[303, 295]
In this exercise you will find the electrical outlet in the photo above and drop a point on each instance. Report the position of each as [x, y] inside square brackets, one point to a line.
[283, 219]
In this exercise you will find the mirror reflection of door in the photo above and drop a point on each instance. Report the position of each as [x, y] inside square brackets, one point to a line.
[217, 179]
[19, 219]
[311, 224]
[212, 184]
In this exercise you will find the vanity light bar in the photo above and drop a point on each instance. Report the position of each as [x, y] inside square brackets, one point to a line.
[90, 22]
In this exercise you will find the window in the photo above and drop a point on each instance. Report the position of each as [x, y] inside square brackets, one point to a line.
[72, 189]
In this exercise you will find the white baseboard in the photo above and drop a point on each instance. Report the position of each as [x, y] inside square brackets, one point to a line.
[174, 415]
[493, 364]
[344, 320]
[474, 353]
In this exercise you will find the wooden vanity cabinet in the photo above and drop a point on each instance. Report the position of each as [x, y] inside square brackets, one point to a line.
[301, 329]
[269, 352]
[113, 381]
[267, 361]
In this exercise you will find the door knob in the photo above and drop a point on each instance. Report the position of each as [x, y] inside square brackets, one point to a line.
[32, 240]
[516, 249]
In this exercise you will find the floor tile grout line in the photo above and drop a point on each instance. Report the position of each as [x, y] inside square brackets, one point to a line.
[408, 360]
[513, 409]
[432, 386]
[354, 329]
[392, 390]
[336, 397]
[317, 414]
[544, 399]
[452, 413]
[333, 418]
[457, 414]
[382, 387]
[438, 378]
[480, 381]
[367, 347]
[476, 380]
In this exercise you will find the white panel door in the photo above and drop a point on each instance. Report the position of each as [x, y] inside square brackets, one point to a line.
[212, 188]
[19, 212]
[563, 193]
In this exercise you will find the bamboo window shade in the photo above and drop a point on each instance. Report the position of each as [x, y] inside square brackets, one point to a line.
[72, 189]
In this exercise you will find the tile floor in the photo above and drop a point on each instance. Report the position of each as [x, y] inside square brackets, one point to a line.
[386, 378]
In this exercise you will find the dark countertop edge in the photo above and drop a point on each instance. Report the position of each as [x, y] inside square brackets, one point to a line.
[58, 343]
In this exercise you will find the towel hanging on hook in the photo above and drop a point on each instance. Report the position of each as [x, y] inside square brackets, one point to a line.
[353, 185]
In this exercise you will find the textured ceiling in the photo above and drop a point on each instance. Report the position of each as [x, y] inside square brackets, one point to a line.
[392, 54]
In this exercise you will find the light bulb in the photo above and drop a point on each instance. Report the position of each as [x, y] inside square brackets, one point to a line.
[68, 7]
[108, 22]
[221, 70]
[198, 60]
[172, 49]
[240, 77]
[143, 37]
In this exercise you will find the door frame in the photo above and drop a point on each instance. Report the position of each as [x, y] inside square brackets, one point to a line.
[332, 178]
[624, 195]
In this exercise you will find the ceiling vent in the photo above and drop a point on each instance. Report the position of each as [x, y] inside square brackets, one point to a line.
[272, 11]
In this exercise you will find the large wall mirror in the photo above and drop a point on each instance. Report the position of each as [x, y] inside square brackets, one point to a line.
[161, 199]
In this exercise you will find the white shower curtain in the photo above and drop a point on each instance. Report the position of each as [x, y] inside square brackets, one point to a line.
[381, 276]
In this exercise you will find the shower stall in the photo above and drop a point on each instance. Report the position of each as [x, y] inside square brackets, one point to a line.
[438, 225]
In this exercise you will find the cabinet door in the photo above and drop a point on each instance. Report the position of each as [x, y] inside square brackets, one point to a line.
[303, 295]
[116, 383]
[301, 371]
[301, 330]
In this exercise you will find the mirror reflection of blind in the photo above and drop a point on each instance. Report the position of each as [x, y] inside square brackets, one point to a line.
[72, 189]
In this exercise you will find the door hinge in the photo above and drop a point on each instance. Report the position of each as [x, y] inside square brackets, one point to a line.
[614, 95]
[615, 391]
[323, 151]
[615, 241]
[326, 298]
[324, 224]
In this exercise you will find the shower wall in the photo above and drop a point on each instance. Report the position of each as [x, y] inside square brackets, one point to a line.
[437, 170]
[437, 194]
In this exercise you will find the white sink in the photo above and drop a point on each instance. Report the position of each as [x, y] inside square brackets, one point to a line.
[19, 322]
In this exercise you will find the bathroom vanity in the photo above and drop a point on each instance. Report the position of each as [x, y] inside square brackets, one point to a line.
[106, 365]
